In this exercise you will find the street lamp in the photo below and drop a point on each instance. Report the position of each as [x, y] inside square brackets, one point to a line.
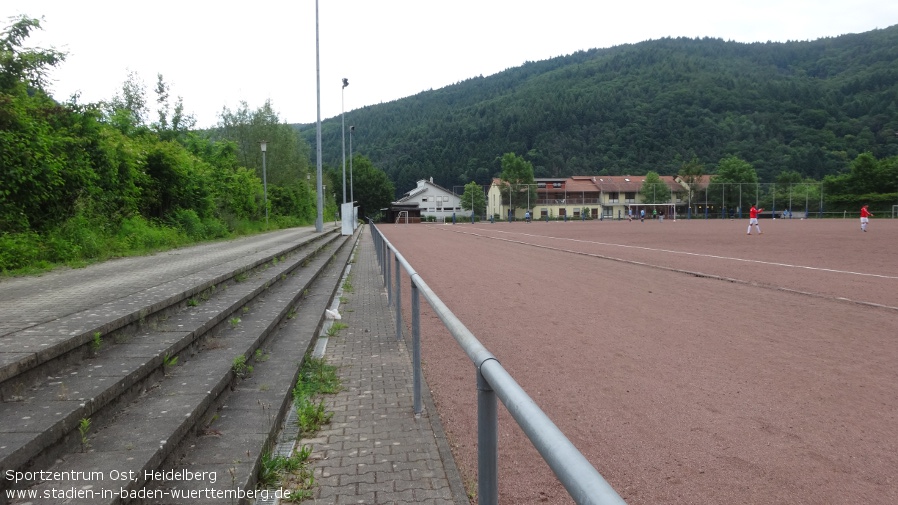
[343, 131]
[351, 193]
[264, 145]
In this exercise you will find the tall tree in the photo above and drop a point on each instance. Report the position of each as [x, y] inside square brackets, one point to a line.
[734, 184]
[19, 65]
[691, 173]
[519, 185]
[287, 156]
[371, 187]
[654, 190]
[128, 109]
[473, 198]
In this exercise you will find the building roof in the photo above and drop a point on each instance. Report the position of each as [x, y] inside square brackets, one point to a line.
[580, 184]
[608, 183]
[422, 187]
[701, 182]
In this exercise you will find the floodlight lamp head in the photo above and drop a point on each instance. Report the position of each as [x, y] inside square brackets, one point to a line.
[351, 128]
[345, 82]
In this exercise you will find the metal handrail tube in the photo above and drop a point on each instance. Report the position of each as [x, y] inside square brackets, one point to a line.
[581, 480]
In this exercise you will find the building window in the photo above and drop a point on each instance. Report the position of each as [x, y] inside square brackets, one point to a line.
[630, 196]
[613, 197]
[556, 185]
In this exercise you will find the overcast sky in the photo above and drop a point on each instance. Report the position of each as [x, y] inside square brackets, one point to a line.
[217, 54]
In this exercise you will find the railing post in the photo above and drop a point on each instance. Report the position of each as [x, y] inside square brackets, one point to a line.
[387, 282]
[383, 254]
[377, 243]
[416, 348]
[487, 444]
[398, 298]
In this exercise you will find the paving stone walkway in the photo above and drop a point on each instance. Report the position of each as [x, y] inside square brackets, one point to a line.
[375, 450]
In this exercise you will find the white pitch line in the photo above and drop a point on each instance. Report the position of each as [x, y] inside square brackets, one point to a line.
[788, 265]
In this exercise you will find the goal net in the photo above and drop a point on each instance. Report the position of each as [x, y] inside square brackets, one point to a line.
[894, 211]
[402, 217]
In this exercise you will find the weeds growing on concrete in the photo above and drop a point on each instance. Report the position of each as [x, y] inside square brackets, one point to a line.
[294, 469]
[316, 377]
[97, 342]
[63, 393]
[335, 327]
[240, 368]
[168, 362]
[83, 429]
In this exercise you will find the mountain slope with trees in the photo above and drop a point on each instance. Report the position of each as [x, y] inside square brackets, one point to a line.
[806, 107]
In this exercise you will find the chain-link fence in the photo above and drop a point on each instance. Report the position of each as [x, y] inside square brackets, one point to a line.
[806, 200]
[795, 200]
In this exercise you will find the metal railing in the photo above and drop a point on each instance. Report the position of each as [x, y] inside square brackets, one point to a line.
[581, 480]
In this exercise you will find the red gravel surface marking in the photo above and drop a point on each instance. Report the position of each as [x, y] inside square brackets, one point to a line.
[689, 362]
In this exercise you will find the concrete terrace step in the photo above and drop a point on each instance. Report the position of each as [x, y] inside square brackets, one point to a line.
[230, 442]
[41, 324]
[166, 407]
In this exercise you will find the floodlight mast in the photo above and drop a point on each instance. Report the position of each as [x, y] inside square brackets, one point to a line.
[351, 191]
[343, 132]
[319, 220]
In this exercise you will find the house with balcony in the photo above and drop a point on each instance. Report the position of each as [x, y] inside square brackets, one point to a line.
[585, 197]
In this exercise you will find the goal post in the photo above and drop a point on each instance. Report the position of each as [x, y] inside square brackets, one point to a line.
[894, 211]
[663, 210]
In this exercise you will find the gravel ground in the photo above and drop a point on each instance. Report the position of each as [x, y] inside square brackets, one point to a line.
[690, 363]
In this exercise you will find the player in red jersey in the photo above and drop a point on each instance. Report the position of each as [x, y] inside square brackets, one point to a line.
[753, 219]
[865, 217]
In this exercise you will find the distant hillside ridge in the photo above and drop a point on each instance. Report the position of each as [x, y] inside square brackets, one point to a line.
[809, 107]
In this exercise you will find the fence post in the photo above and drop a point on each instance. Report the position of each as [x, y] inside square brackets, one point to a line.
[487, 443]
[398, 298]
[416, 348]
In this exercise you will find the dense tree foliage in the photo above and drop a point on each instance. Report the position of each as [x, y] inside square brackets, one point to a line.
[808, 107]
[81, 182]
[370, 186]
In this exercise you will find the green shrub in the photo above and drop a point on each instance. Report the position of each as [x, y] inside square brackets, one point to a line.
[188, 222]
[19, 250]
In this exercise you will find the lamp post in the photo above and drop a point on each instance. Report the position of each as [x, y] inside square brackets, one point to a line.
[343, 131]
[264, 145]
[351, 193]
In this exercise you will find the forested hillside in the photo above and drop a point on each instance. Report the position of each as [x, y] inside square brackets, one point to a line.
[808, 107]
